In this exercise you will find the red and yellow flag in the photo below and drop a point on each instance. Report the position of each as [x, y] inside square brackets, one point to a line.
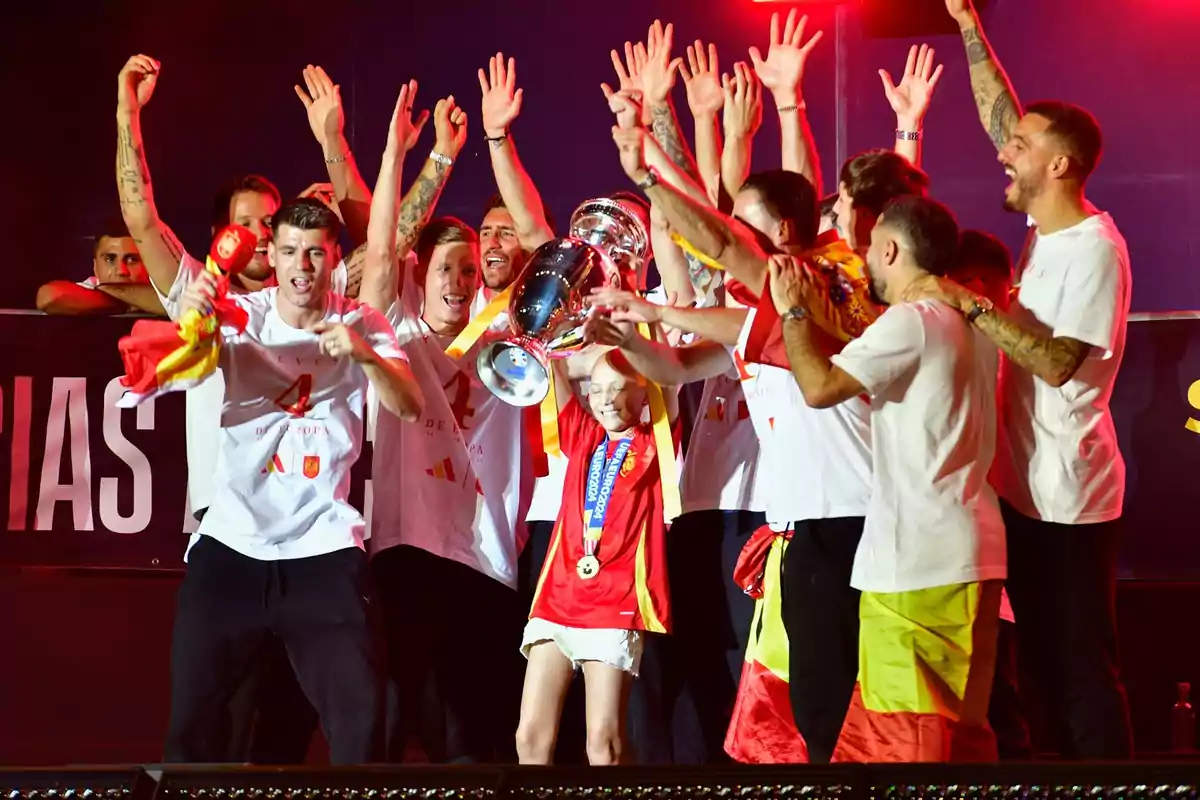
[163, 357]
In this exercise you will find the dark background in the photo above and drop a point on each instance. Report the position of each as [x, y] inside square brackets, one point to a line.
[83, 670]
[225, 105]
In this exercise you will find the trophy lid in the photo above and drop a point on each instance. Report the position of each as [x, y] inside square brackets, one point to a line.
[615, 226]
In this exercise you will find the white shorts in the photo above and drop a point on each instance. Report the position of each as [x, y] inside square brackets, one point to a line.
[621, 649]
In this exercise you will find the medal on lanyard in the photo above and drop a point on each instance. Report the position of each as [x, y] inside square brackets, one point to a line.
[601, 478]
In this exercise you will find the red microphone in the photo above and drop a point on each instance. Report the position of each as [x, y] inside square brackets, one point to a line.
[232, 249]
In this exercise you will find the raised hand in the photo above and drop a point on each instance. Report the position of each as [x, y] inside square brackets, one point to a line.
[323, 103]
[624, 105]
[631, 147]
[702, 81]
[629, 73]
[136, 82]
[959, 9]
[910, 100]
[501, 98]
[743, 102]
[403, 131]
[658, 73]
[782, 71]
[450, 125]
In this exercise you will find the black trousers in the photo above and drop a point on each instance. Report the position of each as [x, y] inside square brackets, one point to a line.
[820, 615]
[1062, 583]
[1005, 711]
[321, 609]
[682, 702]
[454, 638]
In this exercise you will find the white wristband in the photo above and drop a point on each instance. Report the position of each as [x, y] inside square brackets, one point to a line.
[445, 161]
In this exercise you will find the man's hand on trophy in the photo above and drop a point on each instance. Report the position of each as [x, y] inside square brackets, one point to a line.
[501, 97]
[743, 103]
[658, 73]
[782, 71]
[632, 148]
[624, 306]
[450, 125]
[624, 104]
[599, 328]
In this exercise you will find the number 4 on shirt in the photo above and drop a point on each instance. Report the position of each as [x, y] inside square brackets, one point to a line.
[295, 399]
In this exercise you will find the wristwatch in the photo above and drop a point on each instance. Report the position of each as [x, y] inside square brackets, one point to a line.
[650, 181]
[979, 306]
[796, 313]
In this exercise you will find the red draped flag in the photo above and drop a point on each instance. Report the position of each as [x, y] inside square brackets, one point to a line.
[163, 357]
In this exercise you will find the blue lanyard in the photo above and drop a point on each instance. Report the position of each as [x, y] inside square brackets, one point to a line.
[601, 478]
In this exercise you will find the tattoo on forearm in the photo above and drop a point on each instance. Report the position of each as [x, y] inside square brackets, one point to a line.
[171, 242]
[994, 97]
[1054, 360]
[977, 49]
[418, 204]
[1002, 120]
[133, 177]
[666, 133]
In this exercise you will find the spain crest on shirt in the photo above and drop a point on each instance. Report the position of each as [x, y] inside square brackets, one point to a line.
[629, 463]
[312, 466]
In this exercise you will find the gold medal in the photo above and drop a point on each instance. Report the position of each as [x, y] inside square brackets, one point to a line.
[588, 567]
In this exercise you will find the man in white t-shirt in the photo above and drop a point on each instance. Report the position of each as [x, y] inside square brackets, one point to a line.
[931, 561]
[1059, 470]
[449, 497]
[280, 552]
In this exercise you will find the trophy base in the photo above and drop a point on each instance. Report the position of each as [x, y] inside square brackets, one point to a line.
[514, 373]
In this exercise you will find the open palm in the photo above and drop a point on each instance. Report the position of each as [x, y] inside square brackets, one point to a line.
[700, 78]
[910, 99]
[783, 69]
[501, 97]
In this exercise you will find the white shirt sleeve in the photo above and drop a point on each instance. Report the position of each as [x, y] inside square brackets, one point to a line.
[189, 268]
[1093, 296]
[887, 351]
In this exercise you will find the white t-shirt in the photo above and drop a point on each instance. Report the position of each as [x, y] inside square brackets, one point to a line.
[456, 483]
[813, 463]
[933, 519]
[721, 470]
[1057, 457]
[203, 402]
[291, 429]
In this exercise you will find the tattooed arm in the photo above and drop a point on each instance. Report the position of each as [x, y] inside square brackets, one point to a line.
[999, 109]
[665, 127]
[450, 124]
[160, 248]
[1053, 359]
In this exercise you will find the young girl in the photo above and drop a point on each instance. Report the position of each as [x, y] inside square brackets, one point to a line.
[604, 582]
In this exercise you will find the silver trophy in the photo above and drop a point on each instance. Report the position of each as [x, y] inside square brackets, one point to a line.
[618, 227]
[546, 316]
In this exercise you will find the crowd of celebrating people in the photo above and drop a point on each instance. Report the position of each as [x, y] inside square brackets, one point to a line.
[890, 434]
